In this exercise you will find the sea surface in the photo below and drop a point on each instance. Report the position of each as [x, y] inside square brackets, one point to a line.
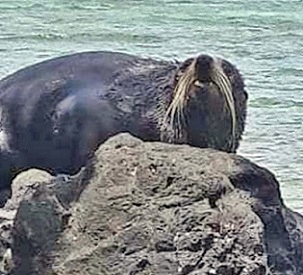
[264, 39]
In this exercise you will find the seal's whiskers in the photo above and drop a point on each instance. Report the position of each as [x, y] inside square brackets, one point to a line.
[222, 81]
[175, 112]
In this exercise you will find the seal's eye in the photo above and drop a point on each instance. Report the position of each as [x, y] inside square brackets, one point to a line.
[56, 120]
[55, 116]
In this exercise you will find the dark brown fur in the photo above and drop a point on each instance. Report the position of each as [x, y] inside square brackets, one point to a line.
[59, 111]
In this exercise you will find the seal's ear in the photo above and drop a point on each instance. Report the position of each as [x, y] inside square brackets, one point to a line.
[204, 65]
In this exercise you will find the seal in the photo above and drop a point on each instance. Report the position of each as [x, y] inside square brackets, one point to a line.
[54, 114]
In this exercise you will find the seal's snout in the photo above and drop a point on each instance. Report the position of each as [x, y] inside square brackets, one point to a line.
[204, 67]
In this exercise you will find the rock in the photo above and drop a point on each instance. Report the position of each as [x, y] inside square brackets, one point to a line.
[23, 188]
[152, 208]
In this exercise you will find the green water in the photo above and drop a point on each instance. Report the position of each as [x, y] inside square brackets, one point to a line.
[263, 38]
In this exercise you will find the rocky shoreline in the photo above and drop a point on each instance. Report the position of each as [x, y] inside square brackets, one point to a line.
[151, 208]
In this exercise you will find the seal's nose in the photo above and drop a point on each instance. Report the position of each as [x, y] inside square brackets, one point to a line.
[204, 67]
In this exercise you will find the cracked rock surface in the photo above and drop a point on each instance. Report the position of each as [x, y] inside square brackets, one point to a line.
[143, 208]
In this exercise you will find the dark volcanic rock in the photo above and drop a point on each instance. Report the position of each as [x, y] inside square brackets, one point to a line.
[151, 208]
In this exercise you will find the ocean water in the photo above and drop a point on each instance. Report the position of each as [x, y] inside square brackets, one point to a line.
[264, 39]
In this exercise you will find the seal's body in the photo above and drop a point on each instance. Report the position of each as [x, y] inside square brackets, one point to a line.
[55, 113]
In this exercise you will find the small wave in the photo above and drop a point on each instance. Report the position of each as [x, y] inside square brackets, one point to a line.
[271, 102]
[38, 36]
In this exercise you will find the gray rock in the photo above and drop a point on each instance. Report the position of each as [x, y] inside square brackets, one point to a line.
[151, 208]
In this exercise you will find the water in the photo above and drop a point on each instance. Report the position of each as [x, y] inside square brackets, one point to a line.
[263, 38]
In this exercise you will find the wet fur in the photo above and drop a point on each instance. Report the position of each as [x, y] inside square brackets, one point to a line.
[61, 110]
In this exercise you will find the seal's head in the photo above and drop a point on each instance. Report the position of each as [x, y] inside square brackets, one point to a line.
[202, 110]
